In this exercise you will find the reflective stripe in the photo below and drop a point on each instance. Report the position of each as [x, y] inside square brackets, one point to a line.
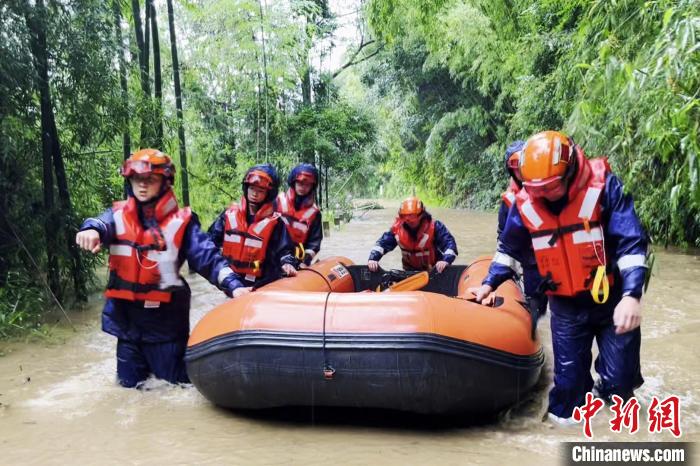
[300, 226]
[307, 215]
[261, 225]
[542, 242]
[423, 240]
[171, 204]
[120, 250]
[631, 260]
[283, 201]
[582, 236]
[589, 202]
[232, 220]
[250, 277]
[253, 243]
[119, 222]
[171, 251]
[379, 249]
[533, 217]
[510, 196]
[232, 238]
[449, 252]
[223, 273]
[310, 252]
[508, 261]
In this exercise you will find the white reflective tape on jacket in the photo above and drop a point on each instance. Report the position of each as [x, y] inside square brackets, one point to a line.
[542, 242]
[631, 260]
[232, 238]
[510, 196]
[532, 216]
[508, 261]
[233, 223]
[308, 214]
[119, 222]
[253, 243]
[261, 225]
[449, 252]
[423, 240]
[590, 200]
[120, 250]
[379, 249]
[310, 252]
[284, 206]
[300, 226]
[223, 273]
[583, 236]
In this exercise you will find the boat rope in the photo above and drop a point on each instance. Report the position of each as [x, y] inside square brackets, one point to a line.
[328, 370]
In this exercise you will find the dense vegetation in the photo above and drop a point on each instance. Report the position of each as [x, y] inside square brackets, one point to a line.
[428, 98]
[457, 80]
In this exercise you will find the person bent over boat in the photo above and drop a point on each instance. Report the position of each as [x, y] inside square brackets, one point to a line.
[424, 242]
[590, 249]
[531, 280]
[148, 302]
[300, 213]
[250, 233]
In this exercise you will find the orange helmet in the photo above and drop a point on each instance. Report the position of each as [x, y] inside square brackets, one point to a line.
[546, 158]
[147, 161]
[411, 205]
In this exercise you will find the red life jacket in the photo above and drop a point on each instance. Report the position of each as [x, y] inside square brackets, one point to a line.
[299, 221]
[245, 246]
[569, 247]
[416, 253]
[509, 195]
[143, 263]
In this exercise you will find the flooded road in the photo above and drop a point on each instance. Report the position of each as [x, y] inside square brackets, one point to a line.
[59, 403]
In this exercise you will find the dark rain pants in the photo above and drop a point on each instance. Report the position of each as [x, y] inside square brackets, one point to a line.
[136, 361]
[575, 322]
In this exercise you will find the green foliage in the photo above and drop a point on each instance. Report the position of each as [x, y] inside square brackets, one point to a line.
[621, 77]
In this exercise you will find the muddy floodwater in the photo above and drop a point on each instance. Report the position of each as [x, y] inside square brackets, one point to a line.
[59, 403]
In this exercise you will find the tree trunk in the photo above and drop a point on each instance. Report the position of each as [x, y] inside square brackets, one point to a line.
[267, 120]
[126, 136]
[157, 79]
[178, 105]
[143, 66]
[306, 86]
[38, 48]
[326, 184]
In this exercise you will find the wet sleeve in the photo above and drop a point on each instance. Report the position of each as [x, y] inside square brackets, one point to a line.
[104, 225]
[502, 216]
[445, 242]
[313, 242]
[204, 258]
[216, 230]
[283, 251]
[385, 244]
[625, 236]
[513, 250]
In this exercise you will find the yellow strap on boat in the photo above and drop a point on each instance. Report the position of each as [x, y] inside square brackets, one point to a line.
[412, 283]
[601, 286]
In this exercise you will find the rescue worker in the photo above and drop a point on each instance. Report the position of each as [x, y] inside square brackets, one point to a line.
[590, 249]
[300, 213]
[425, 243]
[535, 297]
[250, 233]
[148, 302]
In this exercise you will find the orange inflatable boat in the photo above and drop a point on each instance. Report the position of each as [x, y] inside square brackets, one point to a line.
[322, 339]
